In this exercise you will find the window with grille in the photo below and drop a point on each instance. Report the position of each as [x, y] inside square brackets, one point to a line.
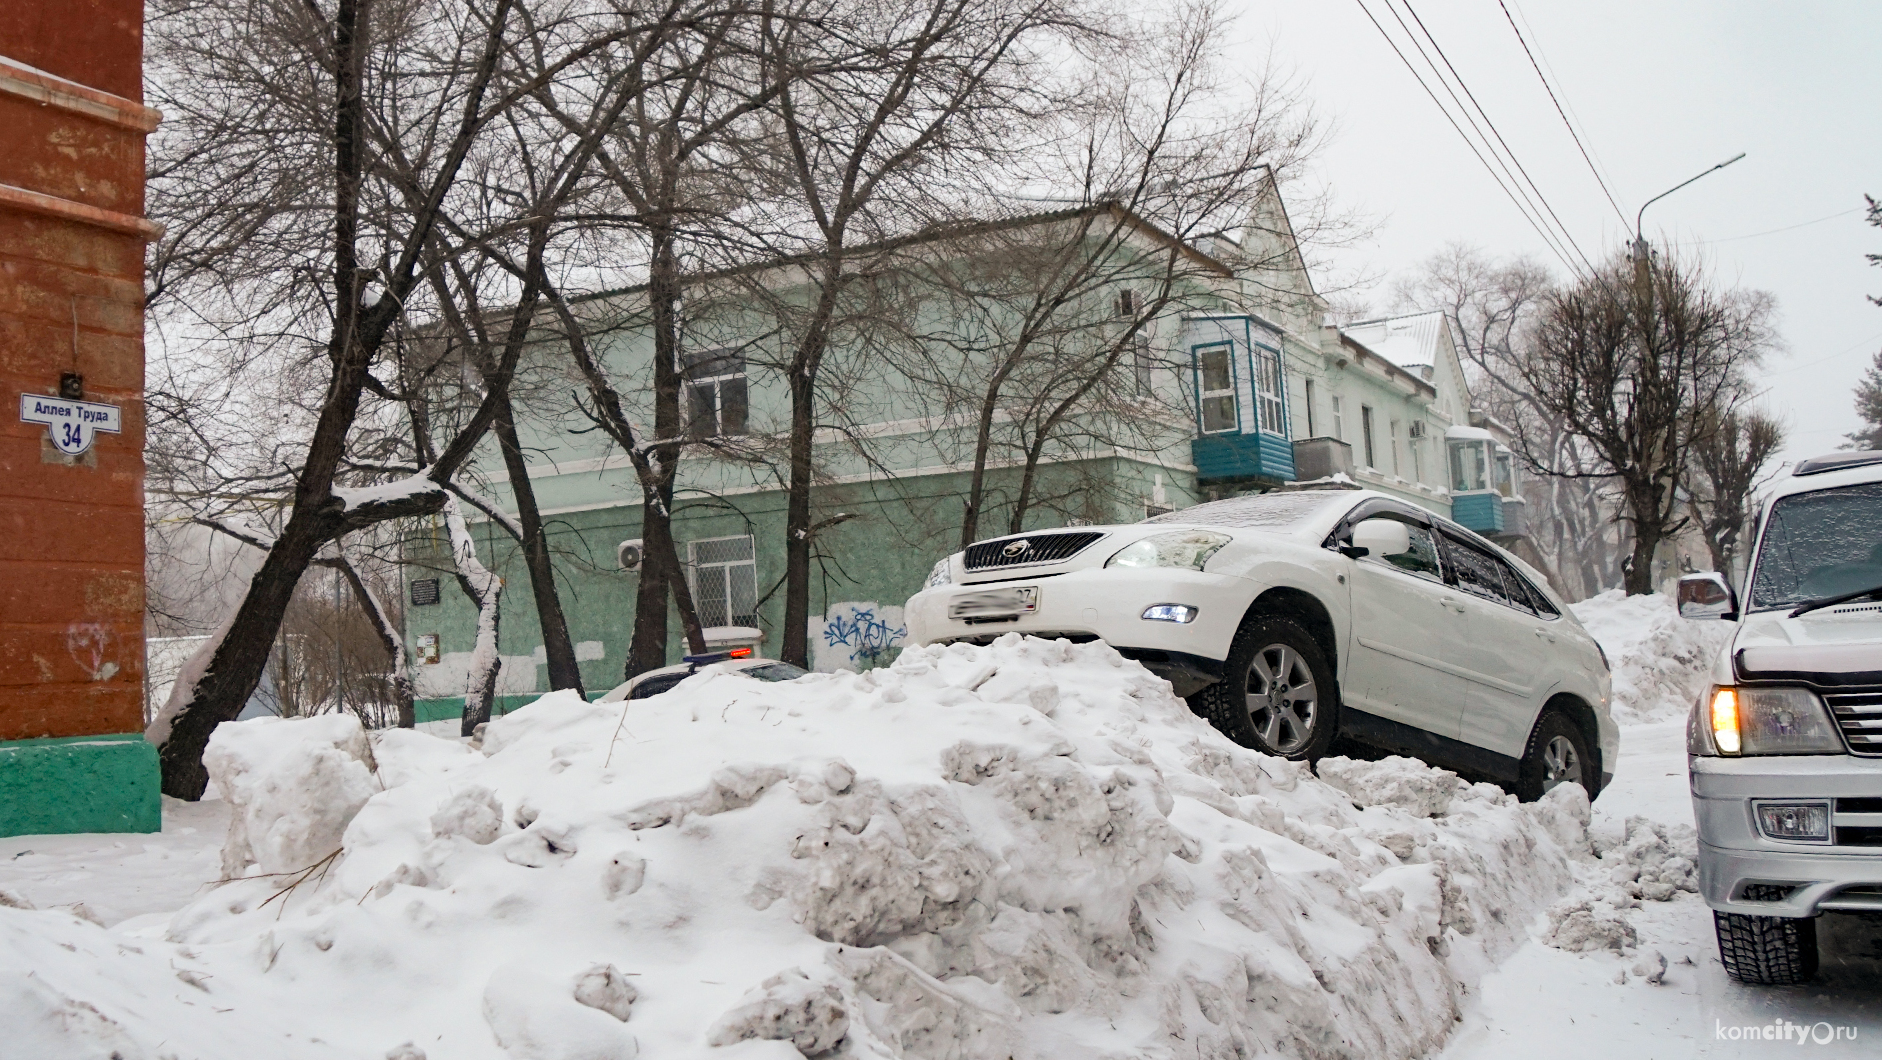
[725, 581]
[1268, 389]
[715, 393]
[1215, 388]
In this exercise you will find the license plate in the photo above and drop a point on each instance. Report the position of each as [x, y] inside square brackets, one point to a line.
[995, 603]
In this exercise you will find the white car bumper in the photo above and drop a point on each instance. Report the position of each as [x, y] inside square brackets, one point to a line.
[1798, 878]
[1106, 603]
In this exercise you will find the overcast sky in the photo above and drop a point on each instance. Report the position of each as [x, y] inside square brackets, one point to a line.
[1661, 91]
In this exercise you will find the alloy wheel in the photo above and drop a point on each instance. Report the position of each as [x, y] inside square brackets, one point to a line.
[1281, 698]
[1560, 763]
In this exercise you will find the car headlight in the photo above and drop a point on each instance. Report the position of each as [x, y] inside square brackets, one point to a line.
[1179, 548]
[1767, 721]
[942, 574]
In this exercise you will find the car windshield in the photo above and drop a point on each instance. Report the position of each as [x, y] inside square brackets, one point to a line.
[1818, 545]
[1262, 511]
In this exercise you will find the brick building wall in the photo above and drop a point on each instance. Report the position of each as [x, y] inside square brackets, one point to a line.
[72, 238]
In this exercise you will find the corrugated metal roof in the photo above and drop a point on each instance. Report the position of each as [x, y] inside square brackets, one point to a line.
[1409, 341]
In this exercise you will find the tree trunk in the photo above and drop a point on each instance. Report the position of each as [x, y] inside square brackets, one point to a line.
[564, 672]
[1639, 580]
[398, 671]
[485, 589]
[796, 640]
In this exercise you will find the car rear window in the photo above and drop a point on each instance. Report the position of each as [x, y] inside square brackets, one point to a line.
[775, 671]
[653, 686]
[1262, 511]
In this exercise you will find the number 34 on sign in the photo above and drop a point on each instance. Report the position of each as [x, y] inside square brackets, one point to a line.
[74, 425]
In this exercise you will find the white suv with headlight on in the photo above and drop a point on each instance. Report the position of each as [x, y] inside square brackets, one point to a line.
[1290, 619]
[1785, 747]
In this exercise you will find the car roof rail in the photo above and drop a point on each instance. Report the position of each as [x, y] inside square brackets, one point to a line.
[1817, 465]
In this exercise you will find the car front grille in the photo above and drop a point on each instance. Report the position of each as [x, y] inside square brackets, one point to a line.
[1038, 548]
[1859, 715]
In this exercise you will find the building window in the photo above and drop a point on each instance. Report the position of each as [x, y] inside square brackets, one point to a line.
[1307, 399]
[1339, 418]
[1393, 431]
[1128, 304]
[725, 581]
[1268, 390]
[1215, 388]
[715, 393]
[1418, 463]
[1365, 435]
[1467, 466]
[1141, 363]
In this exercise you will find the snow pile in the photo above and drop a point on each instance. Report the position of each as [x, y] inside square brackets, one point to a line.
[1649, 861]
[1661, 662]
[1024, 850]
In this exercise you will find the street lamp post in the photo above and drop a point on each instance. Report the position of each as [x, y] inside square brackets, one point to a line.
[1643, 255]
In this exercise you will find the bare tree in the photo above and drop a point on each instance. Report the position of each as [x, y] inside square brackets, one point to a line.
[1730, 453]
[1627, 359]
[1049, 324]
[1492, 306]
[349, 142]
[865, 152]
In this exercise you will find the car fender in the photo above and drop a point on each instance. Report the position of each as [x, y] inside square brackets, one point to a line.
[1316, 573]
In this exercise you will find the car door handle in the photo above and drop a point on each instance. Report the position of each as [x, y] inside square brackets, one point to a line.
[1546, 635]
[1451, 603]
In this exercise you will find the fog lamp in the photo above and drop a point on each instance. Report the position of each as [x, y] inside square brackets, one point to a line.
[1169, 613]
[1794, 820]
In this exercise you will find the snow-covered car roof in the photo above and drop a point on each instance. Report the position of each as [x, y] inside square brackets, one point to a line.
[762, 669]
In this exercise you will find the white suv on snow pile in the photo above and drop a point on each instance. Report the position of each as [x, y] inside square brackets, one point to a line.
[1290, 618]
[1785, 748]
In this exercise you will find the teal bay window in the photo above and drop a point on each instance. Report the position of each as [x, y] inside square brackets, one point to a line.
[1242, 433]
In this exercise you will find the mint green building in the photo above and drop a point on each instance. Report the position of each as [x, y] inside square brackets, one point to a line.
[1243, 385]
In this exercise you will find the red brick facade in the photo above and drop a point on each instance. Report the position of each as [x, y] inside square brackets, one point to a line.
[72, 237]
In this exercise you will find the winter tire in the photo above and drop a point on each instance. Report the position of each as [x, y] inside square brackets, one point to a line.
[1277, 694]
[1558, 753]
[1767, 950]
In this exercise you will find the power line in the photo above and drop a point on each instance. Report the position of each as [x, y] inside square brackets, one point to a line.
[1468, 142]
[1771, 232]
[1618, 212]
[1498, 133]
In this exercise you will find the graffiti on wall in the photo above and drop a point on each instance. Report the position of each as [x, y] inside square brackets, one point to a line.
[856, 635]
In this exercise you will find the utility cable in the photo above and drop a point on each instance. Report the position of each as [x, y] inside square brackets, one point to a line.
[1555, 236]
[1618, 212]
[1468, 142]
[1543, 199]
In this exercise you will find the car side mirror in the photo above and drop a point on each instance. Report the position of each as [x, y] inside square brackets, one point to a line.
[1379, 537]
[1707, 595]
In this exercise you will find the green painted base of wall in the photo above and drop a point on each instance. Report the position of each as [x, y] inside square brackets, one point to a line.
[79, 784]
[452, 709]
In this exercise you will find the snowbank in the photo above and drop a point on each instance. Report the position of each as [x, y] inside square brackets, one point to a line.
[1030, 849]
[1661, 661]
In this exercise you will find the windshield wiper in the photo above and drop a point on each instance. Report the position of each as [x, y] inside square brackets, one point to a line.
[1829, 601]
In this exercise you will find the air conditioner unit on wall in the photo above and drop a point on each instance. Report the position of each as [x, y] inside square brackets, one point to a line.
[1417, 429]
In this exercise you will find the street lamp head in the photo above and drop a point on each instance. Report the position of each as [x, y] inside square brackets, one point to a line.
[1638, 238]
